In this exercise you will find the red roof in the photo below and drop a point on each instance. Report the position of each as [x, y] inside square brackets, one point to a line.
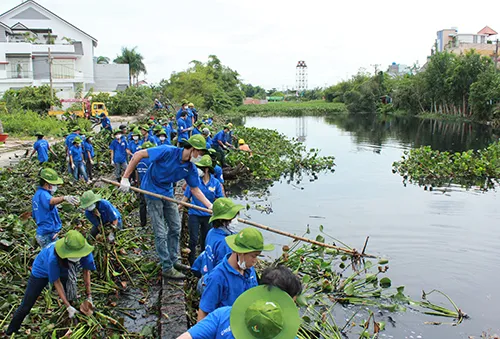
[487, 31]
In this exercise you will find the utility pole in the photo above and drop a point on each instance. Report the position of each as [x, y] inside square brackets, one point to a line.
[496, 57]
[375, 66]
[50, 77]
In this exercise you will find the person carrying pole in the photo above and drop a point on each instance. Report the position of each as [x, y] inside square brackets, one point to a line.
[220, 144]
[198, 221]
[52, 265]
[235, 273]
[169, 164]
[42, 147]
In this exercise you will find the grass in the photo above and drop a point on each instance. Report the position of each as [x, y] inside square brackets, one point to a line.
[21, 124]
[292, 108]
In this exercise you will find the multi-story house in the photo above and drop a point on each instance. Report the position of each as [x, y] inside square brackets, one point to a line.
[36, 44]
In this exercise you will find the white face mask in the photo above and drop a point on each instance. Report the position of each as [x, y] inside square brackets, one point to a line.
[162, 138]
[53, 189]
[195, 159]
[90, 139]
[91, 208]
[118, 136]
[135, 137]
[200, 173]
[242, 264]
[234, 222]
[74, 260]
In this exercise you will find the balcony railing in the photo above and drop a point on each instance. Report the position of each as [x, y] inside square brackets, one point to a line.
[19, 74]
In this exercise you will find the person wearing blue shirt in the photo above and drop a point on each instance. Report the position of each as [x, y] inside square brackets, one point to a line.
[206, 134]
[189, 119]
[51, 265]
[279, 288]
[218, 174]
[42, 147]
[162, 139]
[135, 144]
[144, 129]
[118, 149]
[76, 160]
[105, 123]
[44, 207]
[75, 132]
[207, 120]
[182, 129]
[131, 129]
[197, 126]
[88, 154]
[194, 111]
[183, 108]
[220, 144]
[198, 221]
[168, 164]
[100, 212]
[168, 130]
[235, 273]
[141, 170]
[216, 248]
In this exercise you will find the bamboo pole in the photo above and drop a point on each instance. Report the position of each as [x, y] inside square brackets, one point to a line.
[352, 252]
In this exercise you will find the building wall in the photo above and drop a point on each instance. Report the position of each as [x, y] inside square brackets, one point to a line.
[3, 37]
[109, 76]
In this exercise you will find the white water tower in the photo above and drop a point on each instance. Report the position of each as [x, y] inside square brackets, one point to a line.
[301, 77]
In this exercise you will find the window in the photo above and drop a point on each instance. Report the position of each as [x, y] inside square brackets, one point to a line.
[19, 68]
[63, 68]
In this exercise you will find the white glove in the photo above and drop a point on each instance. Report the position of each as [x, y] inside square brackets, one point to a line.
[112, 162]
[71, 311]
[124, 185]
[72, 166]
[91, 161]
[71, 199]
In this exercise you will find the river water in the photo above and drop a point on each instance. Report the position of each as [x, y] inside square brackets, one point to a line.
[434, 240]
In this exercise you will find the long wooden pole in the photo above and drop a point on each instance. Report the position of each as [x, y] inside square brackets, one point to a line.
[352, 252]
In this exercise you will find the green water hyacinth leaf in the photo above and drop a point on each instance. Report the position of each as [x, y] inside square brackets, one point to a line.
[349, 290]
[301, 300]
[306, 278]
[383, 261]
[370, 277]
[385, 282]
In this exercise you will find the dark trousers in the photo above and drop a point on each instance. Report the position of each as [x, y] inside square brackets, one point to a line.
[89, 168]
[33, 291]
[143, 210]
[197, 225]
[221, 155]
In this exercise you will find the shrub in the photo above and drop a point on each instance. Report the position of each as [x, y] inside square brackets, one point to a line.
[30, 98]
[131, 101]
[27, 123]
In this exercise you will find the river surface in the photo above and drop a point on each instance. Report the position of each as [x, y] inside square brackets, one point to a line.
[435, 240]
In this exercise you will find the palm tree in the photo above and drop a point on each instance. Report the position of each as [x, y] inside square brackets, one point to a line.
[102, 60]
[134, 61]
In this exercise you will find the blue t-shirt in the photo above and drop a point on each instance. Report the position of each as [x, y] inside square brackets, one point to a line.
[42, 148]
[108, 213]
[224, 285]
[46, 264]
[216, 249]
[196, 131]
[46, 215]
[214, 326]
[119, 149]
[69, 139]
[212, 190]
[160, 143]
[181, 125]
[149, 138]
[105, 123]
[218, 174]
[178, 115]
[167, 168]
[88, 147]
[142, 167]
[134, 146]
[77, 153]
[209, 142]
[219, 136]
[189, 118]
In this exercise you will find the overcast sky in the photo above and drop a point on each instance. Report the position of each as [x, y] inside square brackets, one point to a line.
[264, 39]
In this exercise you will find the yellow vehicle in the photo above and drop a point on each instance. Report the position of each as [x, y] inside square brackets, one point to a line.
[87, 109]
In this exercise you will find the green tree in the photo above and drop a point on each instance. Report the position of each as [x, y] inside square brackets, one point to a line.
[255, 92]
[102, 60]
[484, 94]
[135, 63]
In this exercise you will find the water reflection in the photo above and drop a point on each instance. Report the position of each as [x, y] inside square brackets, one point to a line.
[415, 132]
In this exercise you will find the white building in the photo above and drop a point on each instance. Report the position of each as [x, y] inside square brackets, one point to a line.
[28, 32]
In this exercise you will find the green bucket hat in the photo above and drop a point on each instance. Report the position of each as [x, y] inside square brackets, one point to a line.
[198, 123]
[147, 144]
[205, 161]
[264, 312]
[77, 140]
[76, 128]
[73, 245]
[224, 208]
[247, 240]
[184, 101]
[198, 142]
[132, 127]
[136, 132]
[151, 121]
[144, 127]
[88, 198]
[39, 134]
[116, 131]
[161, 132]
[50, 176]
[211, 151]
[157, 128]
